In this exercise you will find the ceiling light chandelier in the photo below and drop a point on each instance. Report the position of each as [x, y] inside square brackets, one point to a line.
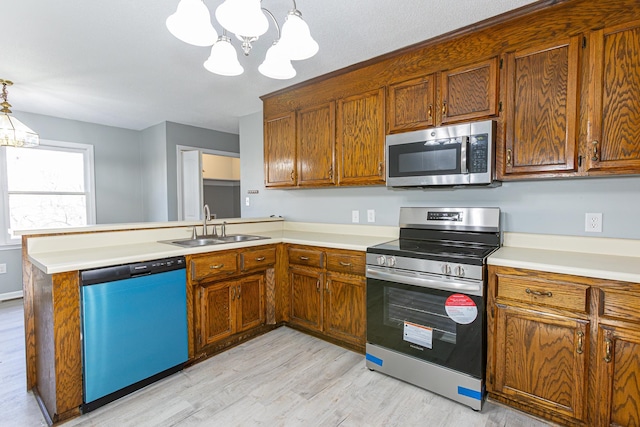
[12, 131]
[247, 20]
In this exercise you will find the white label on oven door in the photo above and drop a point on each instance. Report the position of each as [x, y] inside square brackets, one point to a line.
[461, 309]
[418, 334]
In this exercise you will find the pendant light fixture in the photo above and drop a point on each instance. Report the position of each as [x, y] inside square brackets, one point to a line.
[247, 20]
[12, 131]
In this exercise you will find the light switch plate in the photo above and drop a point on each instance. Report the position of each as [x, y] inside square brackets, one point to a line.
[247, 201]
[3, 268]
[371, 215]
[355, 216]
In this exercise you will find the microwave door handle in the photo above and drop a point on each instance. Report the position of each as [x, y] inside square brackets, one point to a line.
[464, 144]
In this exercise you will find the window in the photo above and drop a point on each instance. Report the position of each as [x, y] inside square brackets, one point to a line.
[49, 186]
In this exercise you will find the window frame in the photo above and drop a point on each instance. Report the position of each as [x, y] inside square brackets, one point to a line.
[87, 151]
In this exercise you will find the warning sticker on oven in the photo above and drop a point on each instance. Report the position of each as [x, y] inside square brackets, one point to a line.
[418, 334]
[461, 309]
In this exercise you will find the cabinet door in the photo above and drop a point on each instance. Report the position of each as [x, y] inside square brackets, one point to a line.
[540, 360]
[316, 145]
[345, 307]
[618, 373]
[280, 151]
[613, 141]
[541, 111]
[410, 105]
[249, 297]
[470, 92]
[216, 312]
[360, 139]
[306, 297]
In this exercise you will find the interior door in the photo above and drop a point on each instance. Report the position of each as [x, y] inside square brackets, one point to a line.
[191, 186]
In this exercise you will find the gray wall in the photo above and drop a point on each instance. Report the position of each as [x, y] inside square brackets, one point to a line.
[178, 134]
[154, 177]
[542, 207]
[223, 199]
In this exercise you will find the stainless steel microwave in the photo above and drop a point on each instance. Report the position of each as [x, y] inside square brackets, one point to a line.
[449, 155]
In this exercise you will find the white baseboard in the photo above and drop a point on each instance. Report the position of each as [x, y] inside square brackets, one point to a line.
[10, 295]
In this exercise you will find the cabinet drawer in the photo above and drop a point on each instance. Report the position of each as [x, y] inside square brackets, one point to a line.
[621, 304]
[346, 263]
[563, 295]
[258, 258]
[310, 257]
[212, 265]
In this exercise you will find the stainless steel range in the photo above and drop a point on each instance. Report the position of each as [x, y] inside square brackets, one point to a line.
[426, 300]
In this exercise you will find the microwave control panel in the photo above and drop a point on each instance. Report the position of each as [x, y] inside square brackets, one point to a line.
[479, 146]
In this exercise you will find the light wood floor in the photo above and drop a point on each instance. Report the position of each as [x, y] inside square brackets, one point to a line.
[283, 378]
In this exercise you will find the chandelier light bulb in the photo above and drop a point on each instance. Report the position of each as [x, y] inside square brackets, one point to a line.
[223, 59]
[191, 23]
[243, 17]
[277, 64]
[296, 37]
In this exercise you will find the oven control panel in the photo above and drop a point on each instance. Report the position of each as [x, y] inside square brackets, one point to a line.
[406, 265]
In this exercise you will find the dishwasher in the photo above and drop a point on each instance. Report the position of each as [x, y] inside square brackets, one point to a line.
[134, 327]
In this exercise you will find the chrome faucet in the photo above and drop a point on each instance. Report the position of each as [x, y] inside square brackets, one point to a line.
[223, 229]
[207, 217]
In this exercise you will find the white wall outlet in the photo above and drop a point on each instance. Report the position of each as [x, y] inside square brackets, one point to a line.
[247, 201]
[593, 222]
[371, 215]
[355, 216]
[3, 268]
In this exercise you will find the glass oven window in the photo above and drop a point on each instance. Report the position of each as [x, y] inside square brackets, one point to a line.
[419, 308]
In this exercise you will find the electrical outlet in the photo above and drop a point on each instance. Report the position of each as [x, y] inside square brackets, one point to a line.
[593, 222]
[355, 216]
[247, 201]
[371, 215]
[3, 268]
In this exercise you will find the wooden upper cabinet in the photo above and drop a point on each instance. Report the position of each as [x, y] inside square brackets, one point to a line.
[466, 93]
[315, 145]
[469, 92]
[541, 111]
[613, 140]
[411, 104]
[360, 139]
[280, 151]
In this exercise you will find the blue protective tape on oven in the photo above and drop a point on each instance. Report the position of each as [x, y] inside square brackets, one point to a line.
[469, 393]
[373, 359]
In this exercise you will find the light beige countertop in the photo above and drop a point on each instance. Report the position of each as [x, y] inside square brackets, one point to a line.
[113, 246]
[601, 258]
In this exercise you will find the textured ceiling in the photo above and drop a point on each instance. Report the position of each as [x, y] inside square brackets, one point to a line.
[114, 62]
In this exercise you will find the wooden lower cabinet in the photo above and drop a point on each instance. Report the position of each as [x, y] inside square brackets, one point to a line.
[328, 290]
[564, 347]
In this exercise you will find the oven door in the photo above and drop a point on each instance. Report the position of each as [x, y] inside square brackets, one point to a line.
[442, 327]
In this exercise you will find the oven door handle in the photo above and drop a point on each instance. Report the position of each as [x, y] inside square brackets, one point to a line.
[426, 280]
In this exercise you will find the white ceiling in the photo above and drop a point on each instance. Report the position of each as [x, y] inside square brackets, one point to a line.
[115, 63]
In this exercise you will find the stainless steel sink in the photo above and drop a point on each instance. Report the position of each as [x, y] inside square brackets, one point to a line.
[213, 240]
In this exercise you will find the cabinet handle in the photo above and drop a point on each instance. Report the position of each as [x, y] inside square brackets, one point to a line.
[444, 109]
[233, 293]
[345, 264]
[509, 156]
[538, 293]
[304, 258]
[293, 175]
[238, 293]
[580, 342]
[380, 168]
[327, 288]
[595, 151]
[318, 285]
[430, 116]
[331, 172]
[607, 350]
[216, 267]
[260, 258]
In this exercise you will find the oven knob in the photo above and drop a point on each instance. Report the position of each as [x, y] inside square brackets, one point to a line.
[391, 262]
[446, 269]
[382, 260]
[459, 271]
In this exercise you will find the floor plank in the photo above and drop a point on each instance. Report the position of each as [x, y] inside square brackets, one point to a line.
[283, 378]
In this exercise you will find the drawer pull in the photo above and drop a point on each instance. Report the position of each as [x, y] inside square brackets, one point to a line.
[233, 293]
[345, 264]
[607, 350]
[304, 258]
[260, 258]
[538, 293]
[216, 267]
[580, 342]
[238, 293]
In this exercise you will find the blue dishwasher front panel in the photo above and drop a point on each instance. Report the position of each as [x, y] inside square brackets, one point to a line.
[132, 329]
